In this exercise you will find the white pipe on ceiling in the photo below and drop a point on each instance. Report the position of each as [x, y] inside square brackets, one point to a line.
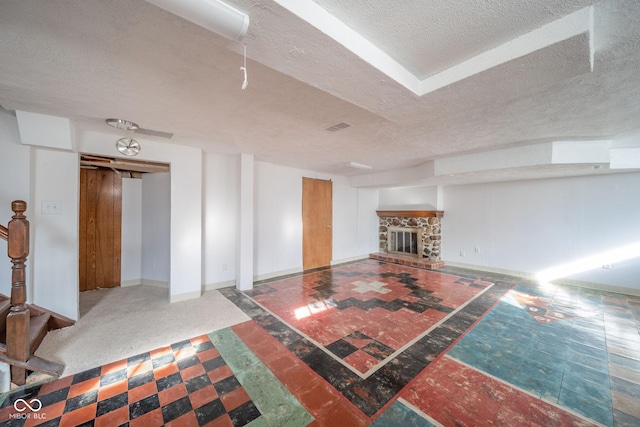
[213, 15]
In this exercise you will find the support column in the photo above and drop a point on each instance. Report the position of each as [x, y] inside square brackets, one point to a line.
[244, 276]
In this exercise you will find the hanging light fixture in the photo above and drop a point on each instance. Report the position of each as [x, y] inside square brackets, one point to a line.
[213, 15]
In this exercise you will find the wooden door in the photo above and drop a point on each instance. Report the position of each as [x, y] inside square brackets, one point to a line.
[317, 222]
[100, 228]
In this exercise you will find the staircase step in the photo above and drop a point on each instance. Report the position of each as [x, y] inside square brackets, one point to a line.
[34, 363]
[39, 326]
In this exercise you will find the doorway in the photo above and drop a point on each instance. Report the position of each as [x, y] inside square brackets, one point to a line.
[102, 218]
[317, 223]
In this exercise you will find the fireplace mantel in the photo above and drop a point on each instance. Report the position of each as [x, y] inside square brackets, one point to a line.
[411, 214]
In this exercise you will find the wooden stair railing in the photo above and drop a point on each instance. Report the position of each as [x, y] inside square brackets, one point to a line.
[21, 338]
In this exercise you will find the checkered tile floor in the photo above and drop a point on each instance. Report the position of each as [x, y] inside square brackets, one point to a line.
[187, 383]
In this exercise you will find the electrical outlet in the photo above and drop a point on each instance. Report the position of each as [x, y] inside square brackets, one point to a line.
[225, 266]
[477, 250]
[607, 266]
[463, 253]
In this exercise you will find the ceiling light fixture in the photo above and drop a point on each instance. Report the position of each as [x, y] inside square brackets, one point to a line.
[212, 15]
[359, 165]
[122, 124]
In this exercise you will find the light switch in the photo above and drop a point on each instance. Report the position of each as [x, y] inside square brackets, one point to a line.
[51, 208]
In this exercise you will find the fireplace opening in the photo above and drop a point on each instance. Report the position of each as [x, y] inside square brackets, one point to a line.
[404, 241]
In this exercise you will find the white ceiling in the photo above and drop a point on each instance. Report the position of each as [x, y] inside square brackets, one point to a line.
[421, 83]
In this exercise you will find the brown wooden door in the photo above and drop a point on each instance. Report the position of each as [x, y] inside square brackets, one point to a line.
[317, 222]
[100, 228]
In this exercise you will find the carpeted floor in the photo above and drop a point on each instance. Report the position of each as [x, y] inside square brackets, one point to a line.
[118, 323]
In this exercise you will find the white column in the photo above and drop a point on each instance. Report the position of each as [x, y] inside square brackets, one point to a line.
[244, 277]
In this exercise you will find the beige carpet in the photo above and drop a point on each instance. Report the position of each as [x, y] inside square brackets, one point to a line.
[118, 323]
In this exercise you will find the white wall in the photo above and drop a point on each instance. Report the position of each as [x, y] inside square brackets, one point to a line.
[36, 175]
[278, 219]
[220, 219]
[355, 223]
[15, 181]
[367, 221]
[54, 253]
[418, 198]
[156, 226]
[131, 266]
[530, 226]
[186, 204]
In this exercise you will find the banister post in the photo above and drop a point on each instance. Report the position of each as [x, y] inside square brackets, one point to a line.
[19, 316]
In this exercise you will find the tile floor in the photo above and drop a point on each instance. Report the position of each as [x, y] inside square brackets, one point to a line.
[373, 343]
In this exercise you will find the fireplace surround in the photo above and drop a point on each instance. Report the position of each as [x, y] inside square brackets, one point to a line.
[428, 226]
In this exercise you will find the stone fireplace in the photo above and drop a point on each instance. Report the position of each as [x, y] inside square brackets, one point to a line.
[396, 226]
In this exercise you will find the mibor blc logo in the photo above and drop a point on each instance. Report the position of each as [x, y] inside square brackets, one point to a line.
[28, 409]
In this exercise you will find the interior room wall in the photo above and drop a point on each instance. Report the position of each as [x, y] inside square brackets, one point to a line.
[156, 228]
[531, 226]
[220, 219]
[131, 266]
[15, 184]
[368, 200]
[355, 222]
[419, 198]
[185, 238]
[54, 252]
[278, 219]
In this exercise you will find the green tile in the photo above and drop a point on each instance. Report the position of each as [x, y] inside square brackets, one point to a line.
[276, 404]
[400, 415]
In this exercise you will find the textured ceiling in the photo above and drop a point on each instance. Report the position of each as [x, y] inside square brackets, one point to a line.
[313, 64]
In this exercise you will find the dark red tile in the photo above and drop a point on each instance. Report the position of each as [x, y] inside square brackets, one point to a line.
[202, 396]
[142, 391]
[172, 394]
[152, 418]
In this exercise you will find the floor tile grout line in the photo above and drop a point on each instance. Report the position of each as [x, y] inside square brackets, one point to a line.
[494, 298]
[317, 344]
[342, 398]
[425, 333]
[390, 358]
[556, 405]
[225, 349]
[419, 411]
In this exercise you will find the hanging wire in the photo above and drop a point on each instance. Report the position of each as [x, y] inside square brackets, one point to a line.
[245, 83]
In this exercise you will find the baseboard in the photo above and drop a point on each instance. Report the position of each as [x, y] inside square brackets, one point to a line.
[155, 283]
[565, 282]
[219, 285]
[298, 270]
[268, 276]
[350, 259]
[184, 297]
[127, 283]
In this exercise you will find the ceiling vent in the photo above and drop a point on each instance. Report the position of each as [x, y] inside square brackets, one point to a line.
[338, 126]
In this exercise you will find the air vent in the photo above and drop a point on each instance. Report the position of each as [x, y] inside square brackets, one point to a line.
[338, 126]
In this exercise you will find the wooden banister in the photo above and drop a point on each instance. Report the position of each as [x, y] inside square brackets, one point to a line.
[18, 318]
[4, 233]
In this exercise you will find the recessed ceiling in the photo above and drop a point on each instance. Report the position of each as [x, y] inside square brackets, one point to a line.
[508, 74]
